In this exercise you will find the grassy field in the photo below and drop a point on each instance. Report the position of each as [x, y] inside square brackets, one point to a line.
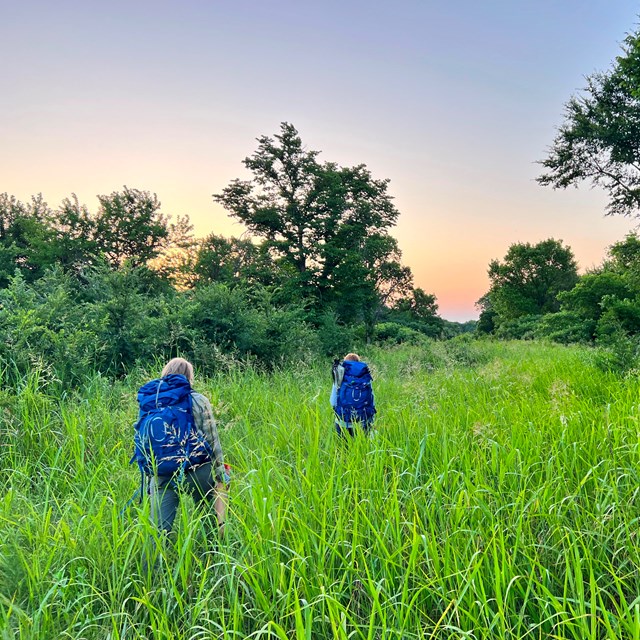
[497, 499]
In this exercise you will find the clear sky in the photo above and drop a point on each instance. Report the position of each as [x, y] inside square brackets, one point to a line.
[454, 102]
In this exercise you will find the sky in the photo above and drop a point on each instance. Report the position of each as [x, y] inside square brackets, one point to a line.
[454, 102]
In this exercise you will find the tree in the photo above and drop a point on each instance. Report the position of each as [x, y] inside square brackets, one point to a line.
[418, 310]
[487, 318]
[281, 203]
[529, 280]
[25, 237]
[75, 244]
[609, 296]
[325, 225]
[366, 280]
[604, 302]
[626, 253]
[423, 306]
[587, 296]
[599, 140]
[625, 260]
[232, 261]
[129, 226]
[177, 254]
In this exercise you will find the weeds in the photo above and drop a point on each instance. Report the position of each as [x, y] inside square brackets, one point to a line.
[497, 499]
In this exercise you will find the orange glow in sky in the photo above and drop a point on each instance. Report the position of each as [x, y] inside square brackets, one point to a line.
[453, 102]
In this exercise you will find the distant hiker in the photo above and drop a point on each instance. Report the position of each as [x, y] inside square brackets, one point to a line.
[177, 445]
[352, 395]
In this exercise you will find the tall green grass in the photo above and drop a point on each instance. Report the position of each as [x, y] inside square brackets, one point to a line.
[498, 498]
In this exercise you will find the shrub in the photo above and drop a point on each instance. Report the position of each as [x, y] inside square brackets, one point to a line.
[617, 351]
[221, 316]
[565, 327]
[522, 328]
[132, 324]
[44, 327]
[285, 336]
[464, 350]
[393, 332]
[219, 320]
[334, 337]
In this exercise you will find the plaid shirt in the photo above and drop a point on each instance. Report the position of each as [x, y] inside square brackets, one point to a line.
[206, 425]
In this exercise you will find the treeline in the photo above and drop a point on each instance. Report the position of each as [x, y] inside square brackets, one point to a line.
[536, 292]
[126, 285]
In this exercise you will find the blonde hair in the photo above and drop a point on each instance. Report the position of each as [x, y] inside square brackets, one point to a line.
[353, 357]
[178, 365]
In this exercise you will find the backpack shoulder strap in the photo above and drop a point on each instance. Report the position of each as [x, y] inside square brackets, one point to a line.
[337, 373]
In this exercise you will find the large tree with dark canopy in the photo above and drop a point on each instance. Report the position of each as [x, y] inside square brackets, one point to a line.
[529, 279]
[599, 141]
[233, 261]
[26, 238]
[325, 225]
[130, 227]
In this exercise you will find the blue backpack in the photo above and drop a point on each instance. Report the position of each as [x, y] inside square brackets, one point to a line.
[166, 439]
[355, 402]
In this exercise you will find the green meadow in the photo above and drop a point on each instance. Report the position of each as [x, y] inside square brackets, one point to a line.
[498, 498]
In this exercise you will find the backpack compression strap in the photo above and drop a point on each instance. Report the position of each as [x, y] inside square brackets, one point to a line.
[337, 373]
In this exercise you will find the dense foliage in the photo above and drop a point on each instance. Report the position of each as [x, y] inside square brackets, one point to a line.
[117, 319]
[84, 291]
[599, 141]
[536, 294]
[530, 278]
[325, 226]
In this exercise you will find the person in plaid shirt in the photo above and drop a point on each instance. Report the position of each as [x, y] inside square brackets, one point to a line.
[206, 482]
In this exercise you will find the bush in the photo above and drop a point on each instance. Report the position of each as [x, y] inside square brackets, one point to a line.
[565, 327]
[220, 316]
[334, 338]
[285, 337]
[617, 351]
[218, 320]
[116, 323]
[465, 350]
[619, 355]
[623, 313]
[131, 321]
[44, 328]
[522, 328]
[392, 332]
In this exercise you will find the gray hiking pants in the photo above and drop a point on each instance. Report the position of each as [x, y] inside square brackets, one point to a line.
[165, 493]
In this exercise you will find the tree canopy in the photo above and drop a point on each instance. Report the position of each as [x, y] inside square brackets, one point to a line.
[317, 272]
[599, 141]
[129, 226]
[529, 279]
[325, 225]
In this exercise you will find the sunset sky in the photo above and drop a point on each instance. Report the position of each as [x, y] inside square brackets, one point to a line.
[454, 102]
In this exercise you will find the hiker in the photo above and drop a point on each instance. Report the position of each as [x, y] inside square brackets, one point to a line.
[352, 395]
[198, 468]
